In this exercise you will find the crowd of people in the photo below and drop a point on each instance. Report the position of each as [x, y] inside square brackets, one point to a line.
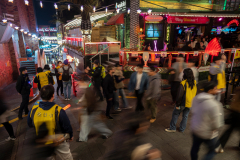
[54, 131]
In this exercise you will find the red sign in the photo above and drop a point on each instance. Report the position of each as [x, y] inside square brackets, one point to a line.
[191, 20]
[233, 21]
[154, 18]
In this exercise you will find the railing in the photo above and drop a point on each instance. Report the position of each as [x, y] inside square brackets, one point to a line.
[99, 53]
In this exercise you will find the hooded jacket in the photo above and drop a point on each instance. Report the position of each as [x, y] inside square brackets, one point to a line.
[154, 87]
[23, 85]
[207, 116]
[217, 74]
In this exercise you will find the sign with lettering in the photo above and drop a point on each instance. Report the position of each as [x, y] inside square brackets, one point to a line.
[154, 18]
[121, 5]
[163, 54]
[48, 29]
[191, 20]
[222, 50]
[195, 53]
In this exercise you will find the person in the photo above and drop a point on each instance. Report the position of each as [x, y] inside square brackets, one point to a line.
[109, 89]
[204, 42]
[97, 73]
[49, 74]
[36, 79]
[187, 47]
[194, 43]
[165, 45]
[153, 92]
[177, 68]
[119, 85]
[191, 65]
[217, 74]
[207, 118]
[202, 46]
[90, 116]
[66, 72]
[186, 92]
[4, 114]
[59, 78]
[56, 119]
[23, 87]
[232, 120]
[139, 83]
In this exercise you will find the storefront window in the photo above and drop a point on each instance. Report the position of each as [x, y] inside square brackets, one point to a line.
[153, 30]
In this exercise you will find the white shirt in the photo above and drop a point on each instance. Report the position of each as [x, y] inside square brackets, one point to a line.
[205, 43]
[139, 78]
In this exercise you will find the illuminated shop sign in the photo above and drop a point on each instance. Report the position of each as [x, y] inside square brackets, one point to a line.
[189, 20]
[154, 18]
[48, 29]
[233, 21]
[121, 5]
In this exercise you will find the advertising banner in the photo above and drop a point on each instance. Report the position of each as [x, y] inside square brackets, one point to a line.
[190, 20]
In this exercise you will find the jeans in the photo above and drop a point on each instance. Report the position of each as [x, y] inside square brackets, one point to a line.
[120, 92]
[175, 116]
[196, 145]
[139, 106]
[24, 105]
[67, 86]
[60, 86]
[152, 106]
[92, 121]
[174, 89]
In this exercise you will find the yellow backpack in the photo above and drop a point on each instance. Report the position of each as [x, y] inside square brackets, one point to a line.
[50, 117]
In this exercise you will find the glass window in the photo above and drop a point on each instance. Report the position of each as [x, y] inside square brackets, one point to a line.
[153, 30]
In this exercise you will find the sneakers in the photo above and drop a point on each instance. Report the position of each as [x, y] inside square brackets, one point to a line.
[10, 139]
[109, 117]
[66, 99]
[152, 120]
[119, 110]
[170, 131]
[69, 99]
[219, 149]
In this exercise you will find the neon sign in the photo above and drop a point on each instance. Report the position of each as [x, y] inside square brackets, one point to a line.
[154, 18]
[233, 21]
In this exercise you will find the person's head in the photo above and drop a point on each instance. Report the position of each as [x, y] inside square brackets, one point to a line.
[46, 67]
[180, 58]
[217, 60]
[118, 66]
[65, 62]
[47, 93]
[203, 39]
[139, 68]
[96, 63]
[39, 69]
[188, 44]
[110, 69]
[211, 88]
[59, 63]
[188, 75]
[23, 70]
[152, 71]
[191, 63]
[201, 44]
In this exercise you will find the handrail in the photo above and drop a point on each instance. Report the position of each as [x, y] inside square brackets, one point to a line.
[98, 54]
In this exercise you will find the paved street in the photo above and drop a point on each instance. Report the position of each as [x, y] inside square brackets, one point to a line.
[174, 146]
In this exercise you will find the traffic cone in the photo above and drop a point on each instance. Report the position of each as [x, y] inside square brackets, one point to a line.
[34, 84]
[31, 93]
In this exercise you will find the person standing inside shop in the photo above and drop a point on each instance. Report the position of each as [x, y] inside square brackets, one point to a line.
[23, 87]
[177, 68]
[66, 72]
[59, 78]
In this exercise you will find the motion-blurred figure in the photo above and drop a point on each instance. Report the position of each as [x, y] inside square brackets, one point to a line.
[59, 78]
[186, 92]
[233, 121]
[91, 116]
[56, 119]
[138, 83]
[129, 144]
[207, 118]
[4, 115]
[153, 92]
[36, 79]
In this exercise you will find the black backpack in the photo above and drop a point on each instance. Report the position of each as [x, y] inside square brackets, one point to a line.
[65, 75]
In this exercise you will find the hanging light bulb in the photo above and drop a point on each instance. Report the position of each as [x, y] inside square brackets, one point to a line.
[25, 32]
[26, 2]
[10, 24]
[118, 10]
[22, 30]
[81, 8]
[128, 10]
[4, 19]
[29, 34]
[16, 27]
[41, 5]
[94, 9]
[10, 1]
[139, 11]
[149, 11]
[69, 7]
[106, 10]
[55, 5]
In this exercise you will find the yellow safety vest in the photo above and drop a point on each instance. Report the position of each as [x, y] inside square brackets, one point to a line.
[60, 76]
[48, 72]
[190, 93]
[43, 79]
[103, 73]
[221, 79]
[40, 116]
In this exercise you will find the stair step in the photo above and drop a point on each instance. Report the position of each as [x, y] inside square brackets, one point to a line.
[105, 65]
[110, 63]
[115, 60]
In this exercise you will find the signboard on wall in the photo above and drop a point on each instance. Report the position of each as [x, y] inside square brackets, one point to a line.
[154, 18]
[191, 20]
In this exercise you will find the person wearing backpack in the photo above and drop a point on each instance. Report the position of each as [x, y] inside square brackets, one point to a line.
[66, 72]
[59, 78]
[56, 120]
[153, 92]
[49, 74]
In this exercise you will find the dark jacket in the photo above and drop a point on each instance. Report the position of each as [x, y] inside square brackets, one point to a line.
[23, 85]
[36, 80]
[108, 86]
[96, 75]
[64, 122]
[133, 82]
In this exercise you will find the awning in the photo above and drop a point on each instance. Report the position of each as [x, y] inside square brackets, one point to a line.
[115, 20]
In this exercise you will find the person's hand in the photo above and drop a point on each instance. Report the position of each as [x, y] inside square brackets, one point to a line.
[71, 139]
[109, 99]
[172, 72]
[178, 108]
